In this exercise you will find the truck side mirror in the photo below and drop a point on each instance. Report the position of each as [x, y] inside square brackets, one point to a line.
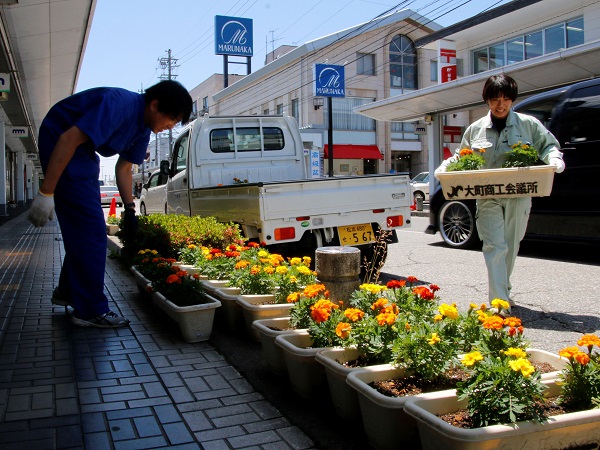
[164, 168]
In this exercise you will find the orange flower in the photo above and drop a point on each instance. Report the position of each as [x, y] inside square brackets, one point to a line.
[173, 279]
[465, 152]
[395, 284]
[343, 330]
[354, 314]
[424, 292]
[512, 322]
[569, 352]
[589, 340]
[313, 290]
[293, 297]
[493, 323]
[582, 358]
[412, 279]
[321, 310]
[379, 304]
[386, 318]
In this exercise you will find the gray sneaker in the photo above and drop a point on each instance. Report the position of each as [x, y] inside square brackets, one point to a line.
[60, 300]
[107, 320]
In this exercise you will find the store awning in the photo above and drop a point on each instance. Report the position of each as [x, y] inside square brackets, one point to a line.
[350, 151]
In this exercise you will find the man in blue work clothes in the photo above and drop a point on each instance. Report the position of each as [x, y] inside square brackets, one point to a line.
[107, 121]
[502, 222]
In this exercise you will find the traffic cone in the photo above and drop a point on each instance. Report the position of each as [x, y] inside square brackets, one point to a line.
[113, 207]
[413, 207]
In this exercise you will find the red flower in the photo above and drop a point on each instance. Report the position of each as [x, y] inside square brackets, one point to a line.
[395, 284]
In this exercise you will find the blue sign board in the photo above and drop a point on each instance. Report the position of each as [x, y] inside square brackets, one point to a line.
[233, 36]
[329, 81]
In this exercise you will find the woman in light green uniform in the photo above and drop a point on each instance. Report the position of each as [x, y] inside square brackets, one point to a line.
[502, 222]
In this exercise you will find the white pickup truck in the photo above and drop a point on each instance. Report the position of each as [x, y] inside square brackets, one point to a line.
[252, 171]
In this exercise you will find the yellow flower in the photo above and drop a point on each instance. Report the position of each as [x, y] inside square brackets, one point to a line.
[303, 270]
[438, 317]
[516, 352]
[471, 358]
[500, 304]
[522, 365]
[435, 339]
[263, 253]
[449, 311]
[372, 288]
[306, 260]
[269, 270]
[295, 261]
[281, 270]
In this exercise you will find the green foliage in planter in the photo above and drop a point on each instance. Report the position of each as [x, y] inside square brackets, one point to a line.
[169, 233]
[521, 155]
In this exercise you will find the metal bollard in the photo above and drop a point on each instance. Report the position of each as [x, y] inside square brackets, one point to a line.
[419, 201]
[338, 268]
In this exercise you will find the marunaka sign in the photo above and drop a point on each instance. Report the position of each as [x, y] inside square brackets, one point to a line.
[233, 36]
[329, 81]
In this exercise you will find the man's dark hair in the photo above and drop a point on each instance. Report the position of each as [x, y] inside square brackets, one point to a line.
[500, 85]
[173, 99]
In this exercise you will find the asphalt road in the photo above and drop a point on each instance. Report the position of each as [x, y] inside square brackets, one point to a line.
[556, 286]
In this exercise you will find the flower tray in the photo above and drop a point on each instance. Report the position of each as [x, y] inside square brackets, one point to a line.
[534, 181]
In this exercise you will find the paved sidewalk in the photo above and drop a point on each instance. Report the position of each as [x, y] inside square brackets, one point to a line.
[64, 387]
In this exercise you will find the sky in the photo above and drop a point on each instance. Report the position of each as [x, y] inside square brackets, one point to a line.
[128, 38]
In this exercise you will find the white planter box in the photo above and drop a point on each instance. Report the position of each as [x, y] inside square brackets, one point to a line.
[268, 330]
[230, 315]
[559, 432]
[190, 269]
[111, 229]
[211, 285]
[253, 308]
[343, 397]
[534, 181]
[195, 322]
[306, 375]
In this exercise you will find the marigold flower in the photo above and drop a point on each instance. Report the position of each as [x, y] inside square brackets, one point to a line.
[589, 340]
[582, 358]
[321, 310]
[306, 260]
[295, 261]
[343, 330]
[255, 270]
[434, 287]
[424, 292]
[303, 270]
[313, 290]
[412, 279]
[215, 251]
[242, 264]
[465, 152]
[293, 297]
[395, 284]
[435, 339]
[407, 326]
[354, 314]
[500, 304]
[493, 323]
[438, 318]
[514, 322]
[372, 288]
[473, 306]
[379, 304]
[293, 279]
[262, 253]
[569, 352]
[386, 318]
[449, 311]
[522, 365]
[516, 352]
[269, 270]
[281, 270]
[471, 358]
[173, 279]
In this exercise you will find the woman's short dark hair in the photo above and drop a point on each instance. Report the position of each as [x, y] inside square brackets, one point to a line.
[498, 86]
[173, 99]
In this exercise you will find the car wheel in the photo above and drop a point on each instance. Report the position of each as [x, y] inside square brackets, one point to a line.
[417, 195]
[457, 225]
[143, 209]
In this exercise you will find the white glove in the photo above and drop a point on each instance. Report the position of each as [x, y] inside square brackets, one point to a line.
[558, 163]
[443, 165]
[42, 209]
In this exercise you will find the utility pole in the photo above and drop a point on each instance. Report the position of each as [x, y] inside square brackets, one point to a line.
[168, 63]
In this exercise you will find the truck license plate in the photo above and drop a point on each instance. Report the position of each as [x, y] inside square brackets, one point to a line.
[356, 234]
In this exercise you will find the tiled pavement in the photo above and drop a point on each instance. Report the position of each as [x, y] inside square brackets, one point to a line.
[64, 387]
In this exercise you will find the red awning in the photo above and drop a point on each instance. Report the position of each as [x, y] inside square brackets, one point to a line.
[349, 151]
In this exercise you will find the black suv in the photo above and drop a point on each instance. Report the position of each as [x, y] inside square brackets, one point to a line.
[571, 213]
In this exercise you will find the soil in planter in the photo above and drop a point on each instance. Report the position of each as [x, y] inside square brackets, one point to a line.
[414, 385]
[462, 419]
